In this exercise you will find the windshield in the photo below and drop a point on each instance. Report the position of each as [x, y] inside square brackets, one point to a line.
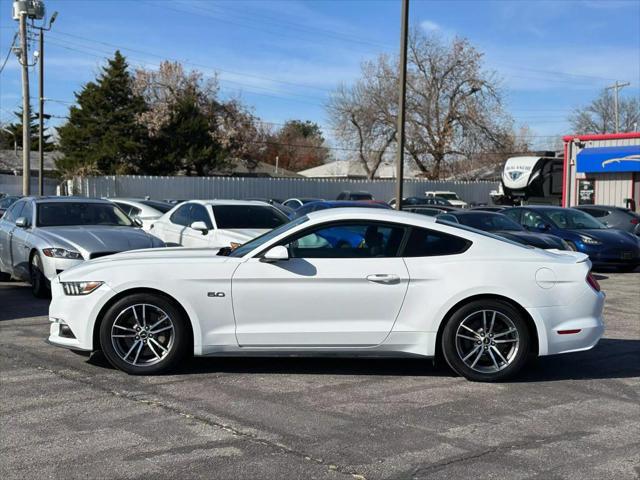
[448, 196]
[361, 196]
[8, 201]
[575, 219]
[489, 222]
[247, 216]
[160, 206]
[62, 214]
[245, 248]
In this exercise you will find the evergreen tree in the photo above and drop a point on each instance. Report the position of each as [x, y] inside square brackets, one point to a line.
[103, 133]
[7, 139]
[184, 144]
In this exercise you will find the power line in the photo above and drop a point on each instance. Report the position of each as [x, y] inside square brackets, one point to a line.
[6, 59]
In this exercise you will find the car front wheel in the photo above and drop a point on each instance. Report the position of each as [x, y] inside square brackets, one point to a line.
[39, 283]
[486, 341]
[144, 334]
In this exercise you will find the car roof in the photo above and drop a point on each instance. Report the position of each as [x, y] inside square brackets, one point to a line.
[67, 199]
[381, 214]
[227, 202]
[348, 203]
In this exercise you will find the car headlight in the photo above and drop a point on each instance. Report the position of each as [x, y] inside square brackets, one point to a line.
[590, 240]
[79, 288]
[61, 253]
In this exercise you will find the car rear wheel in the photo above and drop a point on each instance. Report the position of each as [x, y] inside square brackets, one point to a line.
[144, 334]
[486, 341]
[39, 283]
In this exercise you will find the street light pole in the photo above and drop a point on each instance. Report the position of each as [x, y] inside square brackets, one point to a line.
[401, 101]
[616, 87]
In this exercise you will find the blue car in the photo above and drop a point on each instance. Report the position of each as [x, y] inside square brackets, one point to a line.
[323, 205]
[606, 247]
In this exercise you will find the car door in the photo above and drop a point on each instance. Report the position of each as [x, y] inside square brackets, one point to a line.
[172, 229]
[7, 228]
[196, 238]
[20, 245]
[333, 291]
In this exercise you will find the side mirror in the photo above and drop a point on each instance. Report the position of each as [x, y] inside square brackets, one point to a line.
[22, 222]
[543, 227]
[276, 254]
[137, 222]
[200, 226]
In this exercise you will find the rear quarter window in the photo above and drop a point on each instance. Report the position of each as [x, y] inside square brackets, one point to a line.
[429, 243]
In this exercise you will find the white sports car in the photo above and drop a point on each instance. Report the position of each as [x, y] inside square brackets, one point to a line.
[347, 282]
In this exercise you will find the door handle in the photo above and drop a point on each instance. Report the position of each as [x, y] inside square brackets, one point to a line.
[383, 278]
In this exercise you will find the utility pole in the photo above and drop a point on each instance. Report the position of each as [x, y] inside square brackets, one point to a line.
[41, 110]
[26, 114]
[617, 86]
[404, 30]
[34, 10]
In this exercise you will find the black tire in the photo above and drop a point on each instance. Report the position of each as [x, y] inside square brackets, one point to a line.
[39, 284]
[146, 344]
[513, 347]
[4, 277]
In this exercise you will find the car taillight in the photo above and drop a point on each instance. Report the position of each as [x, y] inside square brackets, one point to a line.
[635, 221]
[591, 280]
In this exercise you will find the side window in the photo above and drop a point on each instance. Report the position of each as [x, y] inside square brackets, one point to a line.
[124, 207]
[27, 213]
[348, 240]
[181, 216]
[134, 212]
[596, 213]
[198, 213]
[429, 243]
[513, 214]
[531, 219]
[14, 212]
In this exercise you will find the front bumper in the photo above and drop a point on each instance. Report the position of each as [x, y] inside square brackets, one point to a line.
[75, 314]
[583, 319]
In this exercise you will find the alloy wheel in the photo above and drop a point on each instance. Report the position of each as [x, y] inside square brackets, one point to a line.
[142, 334]
[487, 341]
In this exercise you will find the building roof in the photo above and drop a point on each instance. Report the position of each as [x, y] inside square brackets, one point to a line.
[354, 169]
[11, 161]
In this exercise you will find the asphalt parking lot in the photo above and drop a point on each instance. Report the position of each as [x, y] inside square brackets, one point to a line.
[63, 415]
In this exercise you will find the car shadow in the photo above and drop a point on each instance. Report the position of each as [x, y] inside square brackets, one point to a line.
[610, 359]
[20, 302]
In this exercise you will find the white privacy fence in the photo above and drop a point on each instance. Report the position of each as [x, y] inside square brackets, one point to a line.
[248, 187]
[12, 185]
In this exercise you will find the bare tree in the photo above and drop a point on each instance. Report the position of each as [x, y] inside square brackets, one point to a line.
[599, 115]
[364, 115]
[454, 107]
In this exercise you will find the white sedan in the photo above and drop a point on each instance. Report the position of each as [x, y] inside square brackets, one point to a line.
[216, 223]
[359, 282]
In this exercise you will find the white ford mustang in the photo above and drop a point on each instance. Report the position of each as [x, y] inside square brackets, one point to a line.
[336, 282]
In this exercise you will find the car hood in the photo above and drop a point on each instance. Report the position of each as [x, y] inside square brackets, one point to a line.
[610, 236]
[539, 240]
[240, 235]
[95, 239]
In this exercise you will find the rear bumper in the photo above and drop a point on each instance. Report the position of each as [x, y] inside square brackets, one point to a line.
[571, 328]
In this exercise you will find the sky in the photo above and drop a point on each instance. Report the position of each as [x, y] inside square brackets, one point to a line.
[283, 58]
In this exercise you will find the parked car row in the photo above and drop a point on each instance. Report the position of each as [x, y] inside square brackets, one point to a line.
[41, 237]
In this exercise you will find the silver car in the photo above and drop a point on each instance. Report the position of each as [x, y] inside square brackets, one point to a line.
[41, 237]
